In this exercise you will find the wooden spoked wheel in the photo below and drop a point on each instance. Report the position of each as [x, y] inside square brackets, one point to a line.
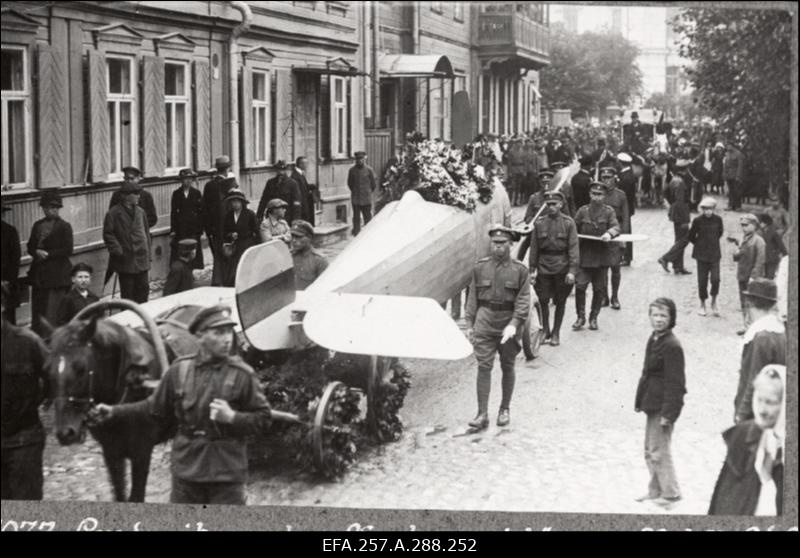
[322, 421]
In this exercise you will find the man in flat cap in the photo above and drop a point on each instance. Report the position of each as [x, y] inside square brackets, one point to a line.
[180, 276]
[215, 401]
[186, 216]
[599, 220]
[128, 240]
[50, 245]
[214, 209]
[10, 257]
[308, 263]
[281, 186]
[553, 262]
[618, 201]
[498, 305]
[362, 182]
[134, 176]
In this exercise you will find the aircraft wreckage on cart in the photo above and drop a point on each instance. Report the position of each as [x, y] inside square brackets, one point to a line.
[379, 301]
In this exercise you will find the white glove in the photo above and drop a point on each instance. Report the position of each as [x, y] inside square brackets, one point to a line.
[509, 332]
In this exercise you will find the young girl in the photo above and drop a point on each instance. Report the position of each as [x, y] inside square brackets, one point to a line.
[660, 396]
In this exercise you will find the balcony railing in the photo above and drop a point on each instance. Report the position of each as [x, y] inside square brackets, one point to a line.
[513, 31]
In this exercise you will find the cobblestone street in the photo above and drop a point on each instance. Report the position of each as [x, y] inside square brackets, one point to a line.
[574, 443]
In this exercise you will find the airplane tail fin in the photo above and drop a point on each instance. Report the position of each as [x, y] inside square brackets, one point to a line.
[264, 282]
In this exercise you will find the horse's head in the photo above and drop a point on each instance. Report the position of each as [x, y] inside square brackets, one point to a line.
[72, 369]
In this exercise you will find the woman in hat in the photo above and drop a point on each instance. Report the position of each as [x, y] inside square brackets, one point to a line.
[50, 246]
[274, 224]
[240, 232]
[186, 216]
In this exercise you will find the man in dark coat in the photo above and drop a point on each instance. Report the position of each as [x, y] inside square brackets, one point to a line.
[146, 202]
[50, 246]
[128, 241]
[362, 182]
[180, 276]
[680, 217]
[705, 233]
[214, 194]
[281, 187]
[308, 192]
[186, 216]
[558, 153]
[24, 387]
[628, 182]
[240, 230]
[10, 254]
[581, 181]
[733, 171]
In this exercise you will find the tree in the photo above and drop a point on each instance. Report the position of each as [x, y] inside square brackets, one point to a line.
[741, 74]
[681, 107]
[590, 71]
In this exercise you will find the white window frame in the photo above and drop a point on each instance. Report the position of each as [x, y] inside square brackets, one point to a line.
[175, 100]
[115, 159]
[24, 96]
[262, 136]
[437, 7]
[458, 11]
[339, 108]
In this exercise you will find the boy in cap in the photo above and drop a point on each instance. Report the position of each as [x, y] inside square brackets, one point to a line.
[362, 182]
[750, 256]
[180, 276]
[308, 263]
[498, 305]
[764, 342]
[133, 175]
[50, 246]
[215, 401]
[79, 296]
[705, 233]
[128, 240]
[274, 225]
[10, 257]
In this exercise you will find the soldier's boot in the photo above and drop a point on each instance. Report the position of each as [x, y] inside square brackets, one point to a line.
[615, 281]
[545, 309]
[580, 309]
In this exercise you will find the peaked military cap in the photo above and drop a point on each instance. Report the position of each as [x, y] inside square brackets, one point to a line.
[546, 173]
[555, 195]
[498, 230]
[209, 318]
[597, 187]
[132, 170]
[557, 166]
[608, 171]
[187, 244]
[624, 158]
[360, 154]
[302, 228]
[187, 173]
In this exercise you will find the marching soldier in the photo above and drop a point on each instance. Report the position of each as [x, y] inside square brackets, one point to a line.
[616, 199]
[596, 219]
[535, 203]
[553, 262]
[215, 400]
[497, 306]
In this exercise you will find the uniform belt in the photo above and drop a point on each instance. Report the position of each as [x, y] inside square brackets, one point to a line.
[553, 251]
[496, 306]
[198, 433]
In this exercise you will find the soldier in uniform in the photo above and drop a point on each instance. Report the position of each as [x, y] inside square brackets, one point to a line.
[595, 219]
[553, 262]
[25, 385]
[308, 263]
[619, 202]
[497, 306]
[215, 401]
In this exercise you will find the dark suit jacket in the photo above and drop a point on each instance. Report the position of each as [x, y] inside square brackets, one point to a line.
[214, 206]
[627, 183]
[306, 191]
[284, 188]
[246, 229]
[55, 270]
[186, 214]
[663, 382]
[71, 304]
[145, 202]
[580, 188]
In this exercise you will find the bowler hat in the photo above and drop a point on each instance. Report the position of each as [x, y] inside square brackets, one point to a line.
[762, 288]
[208, 318]
[280, 165]
[236, 194]
[501, 230]
[132, 170]
[276, 202]
[222, 162]
[187, 173]
[51, 197]
[302, 228]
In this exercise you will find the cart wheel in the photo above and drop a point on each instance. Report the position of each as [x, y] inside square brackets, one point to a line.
[532, 335]
[378, 367]
[321, 420]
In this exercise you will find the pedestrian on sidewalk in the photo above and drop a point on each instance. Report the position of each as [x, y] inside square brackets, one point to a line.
[680, 217]
[705, 233]
[128, 240]
[733, 173]
[498, 304]
[362, 183]
[775, 249]
[750, 256]
[751, 479]
[239, 232]
[214, 194]
[660, 396]
[764, 342]
[186, 217]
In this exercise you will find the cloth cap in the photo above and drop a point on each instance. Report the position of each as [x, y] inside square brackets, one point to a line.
[187, 173]
[597, 187]
[750, 218]
[608, 171]
[708, 202]
[762, 288]
[51, 197]
[132, 170]
[236, 194]
[360, 154]
[187, 244]
[302, 228]
[276, 202]
[81, 266]
[499, 230]
[223, 161]
[208, 318]
[624, 158]
[555, 195]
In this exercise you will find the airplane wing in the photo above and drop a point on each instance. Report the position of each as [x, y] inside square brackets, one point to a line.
[201, 296]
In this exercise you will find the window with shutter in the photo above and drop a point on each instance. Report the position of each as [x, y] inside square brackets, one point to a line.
[16, 117]
[99, 126]
[261, 115]
[53, 128]
[202, 112]
[154, 122]
[257, 108]
[284, 118]
[177, 105]
[121, 110]
[339, 118]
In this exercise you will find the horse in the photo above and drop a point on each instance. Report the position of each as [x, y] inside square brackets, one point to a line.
[99, 361]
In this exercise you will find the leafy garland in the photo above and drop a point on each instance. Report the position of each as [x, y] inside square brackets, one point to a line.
[440, 173]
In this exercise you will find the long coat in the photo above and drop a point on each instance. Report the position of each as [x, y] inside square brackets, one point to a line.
[55, 270]
[362, 183]
[145, 202]
[213, 213]
[186, 221]
[580, 188]
[663, 382]
[127, 239]
[306, 192]
[246, 229]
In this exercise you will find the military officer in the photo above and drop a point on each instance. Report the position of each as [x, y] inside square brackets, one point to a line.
[216, 402]
[619, 202]
[595, 219]
[308, 263]
[497, 306]
[535, 203]
[553, 262]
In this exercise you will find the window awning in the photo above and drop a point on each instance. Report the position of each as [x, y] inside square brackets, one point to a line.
[416, 65]
[335, 66]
